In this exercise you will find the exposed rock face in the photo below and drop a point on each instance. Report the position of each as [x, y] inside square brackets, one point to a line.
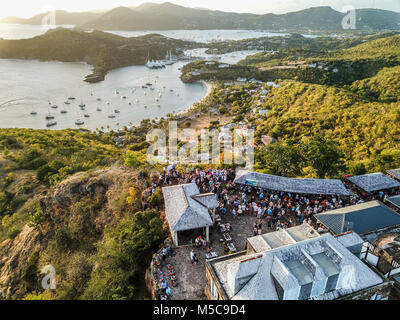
[100, 187]
[267, 140]
[14, 255]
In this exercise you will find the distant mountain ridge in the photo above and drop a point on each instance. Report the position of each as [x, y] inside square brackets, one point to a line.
[62, 18]
[168, 16]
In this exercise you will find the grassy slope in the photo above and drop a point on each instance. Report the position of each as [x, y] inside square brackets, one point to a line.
[364, 129]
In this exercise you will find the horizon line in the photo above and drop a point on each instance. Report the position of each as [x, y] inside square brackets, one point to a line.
[99, 10]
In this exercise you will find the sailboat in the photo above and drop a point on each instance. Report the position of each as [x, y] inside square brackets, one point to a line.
[168, 60]
[51, 123]
[33, 112]
[111, 115]
[49, 116]
[151, 64]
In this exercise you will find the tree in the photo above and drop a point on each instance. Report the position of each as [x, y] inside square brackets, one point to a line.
[36, 217]
[282, 159]
[122, 254]
[133, 159]
[388, 159]
[357, 169]
[324, 156]
[156, 198]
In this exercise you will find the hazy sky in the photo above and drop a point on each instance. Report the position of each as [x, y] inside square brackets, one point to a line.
[27, 8]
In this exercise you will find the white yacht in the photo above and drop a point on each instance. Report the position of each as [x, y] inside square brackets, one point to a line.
[151, 64]
[79, 122]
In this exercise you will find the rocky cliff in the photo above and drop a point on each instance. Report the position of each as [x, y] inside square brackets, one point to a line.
[77, 213]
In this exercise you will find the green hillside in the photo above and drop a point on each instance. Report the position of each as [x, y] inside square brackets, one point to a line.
[102, 50]
[385, 86]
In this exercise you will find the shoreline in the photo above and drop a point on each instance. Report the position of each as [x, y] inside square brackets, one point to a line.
[209, 87]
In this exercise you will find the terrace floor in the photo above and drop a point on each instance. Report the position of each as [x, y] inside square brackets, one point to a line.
[191, 278]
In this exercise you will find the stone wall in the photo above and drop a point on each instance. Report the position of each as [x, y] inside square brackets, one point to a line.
[212, 277]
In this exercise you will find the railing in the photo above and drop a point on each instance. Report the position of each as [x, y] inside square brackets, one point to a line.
[377, 252]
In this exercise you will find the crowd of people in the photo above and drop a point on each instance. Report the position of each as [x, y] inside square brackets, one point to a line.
[278, 210]
[272, 209]
[269, 209]
[207, 180]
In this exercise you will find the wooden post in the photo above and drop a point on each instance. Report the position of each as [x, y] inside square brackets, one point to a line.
[176, 240]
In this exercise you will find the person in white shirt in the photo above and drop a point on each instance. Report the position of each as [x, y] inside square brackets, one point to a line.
[192, 256]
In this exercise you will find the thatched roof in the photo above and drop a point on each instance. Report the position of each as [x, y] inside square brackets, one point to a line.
[395, 173]
[301, 186]
[374, 182]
